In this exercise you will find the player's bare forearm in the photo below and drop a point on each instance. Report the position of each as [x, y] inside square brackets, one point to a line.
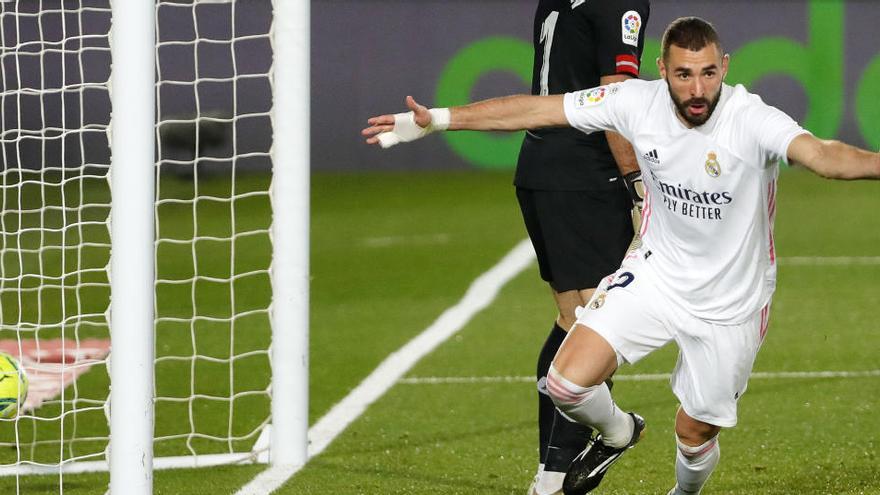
[834, 159]
[621, 149]
[623, 153]
[509, 113]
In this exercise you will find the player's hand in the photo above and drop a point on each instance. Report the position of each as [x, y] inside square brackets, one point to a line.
[420, 112]
[388, 130]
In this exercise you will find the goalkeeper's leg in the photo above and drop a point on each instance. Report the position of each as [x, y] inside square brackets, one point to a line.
[579, 237]
[559, 439]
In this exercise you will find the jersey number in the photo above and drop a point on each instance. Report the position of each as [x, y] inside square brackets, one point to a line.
[623, 280]
[547, 30]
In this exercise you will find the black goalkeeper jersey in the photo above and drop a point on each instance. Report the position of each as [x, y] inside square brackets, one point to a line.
[577, 42]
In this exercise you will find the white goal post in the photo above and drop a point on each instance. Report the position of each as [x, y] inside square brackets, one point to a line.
[132, 270]
[290, 233]
[200, 253]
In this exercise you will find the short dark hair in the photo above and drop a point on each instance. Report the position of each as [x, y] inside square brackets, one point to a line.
[691, 33]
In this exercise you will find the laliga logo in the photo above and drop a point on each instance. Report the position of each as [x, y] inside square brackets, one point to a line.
[713, 168]
[632, 23]
[590, 97]
[596, 95]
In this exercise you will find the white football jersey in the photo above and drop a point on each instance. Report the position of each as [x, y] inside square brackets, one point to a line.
[707, 228]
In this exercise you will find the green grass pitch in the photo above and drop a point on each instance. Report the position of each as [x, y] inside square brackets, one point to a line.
[391, 251]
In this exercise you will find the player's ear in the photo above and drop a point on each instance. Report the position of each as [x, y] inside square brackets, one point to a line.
[725, 65]
[661, 67]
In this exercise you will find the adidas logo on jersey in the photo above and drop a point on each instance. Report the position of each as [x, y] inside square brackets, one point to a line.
[652, 157]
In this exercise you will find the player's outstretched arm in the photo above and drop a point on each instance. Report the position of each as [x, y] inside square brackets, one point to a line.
[509, 113]
[834, 159]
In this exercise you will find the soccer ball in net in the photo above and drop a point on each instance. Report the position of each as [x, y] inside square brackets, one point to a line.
[13, 385]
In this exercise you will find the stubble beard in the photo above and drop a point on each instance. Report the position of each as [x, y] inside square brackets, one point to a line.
[682, 107]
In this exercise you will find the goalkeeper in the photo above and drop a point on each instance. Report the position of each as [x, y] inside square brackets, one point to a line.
[569, 186]
[705, 273]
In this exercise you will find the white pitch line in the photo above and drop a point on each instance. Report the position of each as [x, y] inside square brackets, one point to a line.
[650, 377]
[479, 295]
[829, 260]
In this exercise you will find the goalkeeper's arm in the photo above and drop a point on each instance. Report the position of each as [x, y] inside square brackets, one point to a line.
[509, 113]
[628, 165]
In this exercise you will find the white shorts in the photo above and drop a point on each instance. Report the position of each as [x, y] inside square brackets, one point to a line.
[631, 312]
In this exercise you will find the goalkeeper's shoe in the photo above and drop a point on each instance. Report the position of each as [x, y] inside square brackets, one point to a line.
[589, 467]
[533, 489]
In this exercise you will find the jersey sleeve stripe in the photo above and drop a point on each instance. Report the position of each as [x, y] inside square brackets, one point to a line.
[628, 64]
[771, 212]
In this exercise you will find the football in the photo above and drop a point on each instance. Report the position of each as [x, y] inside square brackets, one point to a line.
[13, 385]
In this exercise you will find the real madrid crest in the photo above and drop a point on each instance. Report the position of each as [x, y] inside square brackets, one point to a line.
[598, 301]
[713, 168]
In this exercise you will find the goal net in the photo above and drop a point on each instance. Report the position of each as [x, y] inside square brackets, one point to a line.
[54, 285]
[213, 247]
[213, 215]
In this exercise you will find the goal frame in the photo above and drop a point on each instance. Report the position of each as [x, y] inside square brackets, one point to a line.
[133, 83]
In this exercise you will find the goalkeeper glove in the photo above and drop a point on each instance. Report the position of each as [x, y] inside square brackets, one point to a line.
[636, 188]
[406, 129]
[633, 181]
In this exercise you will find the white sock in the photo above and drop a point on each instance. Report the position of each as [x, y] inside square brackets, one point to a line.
[549, 483]
[693, 465]
[591, 406]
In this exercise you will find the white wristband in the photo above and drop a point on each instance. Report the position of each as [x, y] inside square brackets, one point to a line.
[406, 129]
[440, 118]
